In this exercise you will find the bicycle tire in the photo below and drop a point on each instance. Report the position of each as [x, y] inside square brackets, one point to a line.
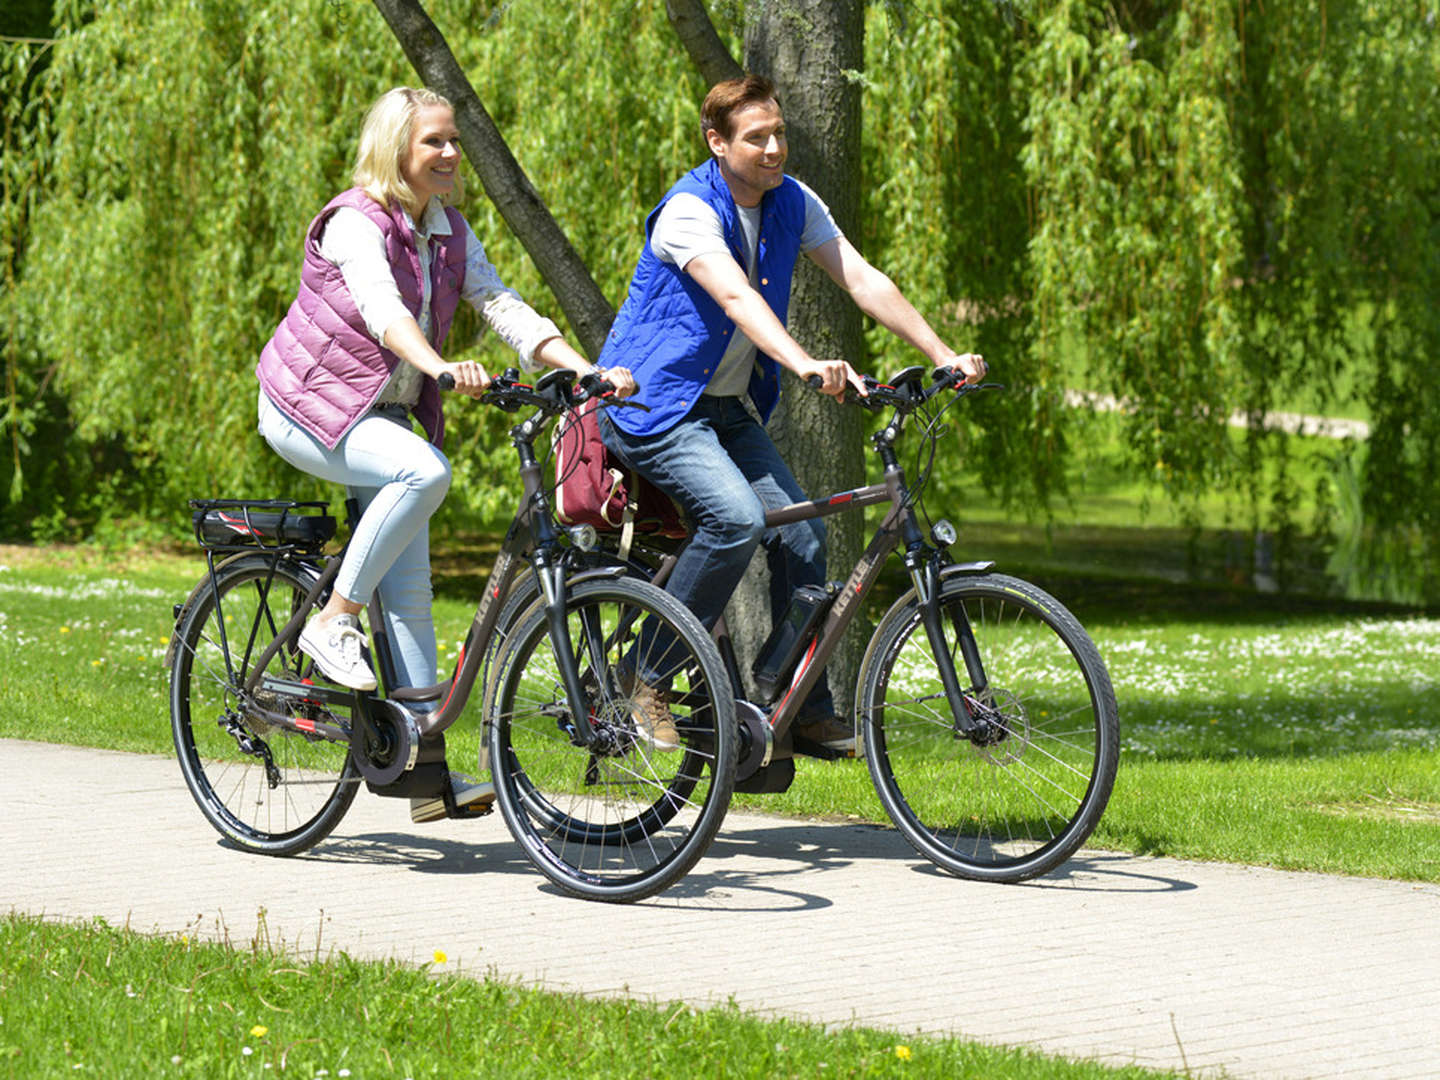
[626, 823]
[1019, 808]
[317, 780]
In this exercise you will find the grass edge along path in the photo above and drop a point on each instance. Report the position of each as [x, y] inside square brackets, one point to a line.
[98, 1000]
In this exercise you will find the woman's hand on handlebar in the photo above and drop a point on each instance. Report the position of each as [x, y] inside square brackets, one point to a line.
[469, 378]
[830, 377]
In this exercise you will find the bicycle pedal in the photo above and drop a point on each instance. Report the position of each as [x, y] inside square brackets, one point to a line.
[466, 798]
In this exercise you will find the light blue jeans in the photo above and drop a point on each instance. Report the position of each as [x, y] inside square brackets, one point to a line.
[400, 480]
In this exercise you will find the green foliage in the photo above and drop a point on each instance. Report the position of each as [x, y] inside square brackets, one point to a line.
[1203, 208]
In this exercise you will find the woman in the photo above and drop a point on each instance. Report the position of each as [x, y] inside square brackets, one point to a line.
[386, 263]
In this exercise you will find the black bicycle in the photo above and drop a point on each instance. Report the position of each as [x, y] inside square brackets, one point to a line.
[983, 709]
[274, 754]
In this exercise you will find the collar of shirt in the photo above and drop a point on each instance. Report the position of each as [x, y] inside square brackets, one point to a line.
[433, 222]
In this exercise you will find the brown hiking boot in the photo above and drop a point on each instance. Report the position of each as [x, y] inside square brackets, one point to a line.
[650, 709]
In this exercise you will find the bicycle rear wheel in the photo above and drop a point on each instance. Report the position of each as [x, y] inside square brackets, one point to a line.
[621, 820]
[264, 788]
[1021, 805]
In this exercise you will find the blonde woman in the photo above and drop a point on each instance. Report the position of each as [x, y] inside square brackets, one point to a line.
[386, 264]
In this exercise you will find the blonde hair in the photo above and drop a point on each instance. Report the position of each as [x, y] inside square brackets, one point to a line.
[385, 142]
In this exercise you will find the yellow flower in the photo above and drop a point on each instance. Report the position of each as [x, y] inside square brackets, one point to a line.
[440, 956]
[259, 1031]
[902, 1052]
[64, 629]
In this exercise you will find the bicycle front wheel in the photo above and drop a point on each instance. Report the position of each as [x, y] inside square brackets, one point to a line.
[1019, 801]
[265, 788]
[623, 818]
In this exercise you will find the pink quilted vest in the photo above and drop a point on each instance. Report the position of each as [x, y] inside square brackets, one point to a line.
[321, 367]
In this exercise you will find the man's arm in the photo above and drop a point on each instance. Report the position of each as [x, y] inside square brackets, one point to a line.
[721, 277]
[877, 296]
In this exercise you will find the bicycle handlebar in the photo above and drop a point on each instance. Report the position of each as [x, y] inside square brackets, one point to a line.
[554, 392]
[904, 391]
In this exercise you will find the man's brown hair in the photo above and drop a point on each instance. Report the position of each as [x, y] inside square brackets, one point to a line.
[729, 97]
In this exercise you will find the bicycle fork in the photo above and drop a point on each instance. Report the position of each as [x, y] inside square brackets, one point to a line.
[966, 711]
[551, 575]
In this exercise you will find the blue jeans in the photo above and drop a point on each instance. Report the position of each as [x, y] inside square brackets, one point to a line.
[400, 480]
[722, 468]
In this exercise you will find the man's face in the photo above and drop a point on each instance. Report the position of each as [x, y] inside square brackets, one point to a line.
[753, 158]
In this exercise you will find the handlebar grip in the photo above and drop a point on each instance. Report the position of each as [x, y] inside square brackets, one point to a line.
[814, 382]
[445, 381]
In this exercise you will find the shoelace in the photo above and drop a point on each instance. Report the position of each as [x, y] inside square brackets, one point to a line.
[346, 641]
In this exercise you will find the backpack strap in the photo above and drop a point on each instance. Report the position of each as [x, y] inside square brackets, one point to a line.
[627, 525]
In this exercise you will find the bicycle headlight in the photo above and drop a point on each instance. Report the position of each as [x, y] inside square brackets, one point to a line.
[943, 533]
[584, 537]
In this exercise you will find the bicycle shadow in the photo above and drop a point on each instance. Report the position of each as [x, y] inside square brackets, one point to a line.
[770, 867]
[424, 854]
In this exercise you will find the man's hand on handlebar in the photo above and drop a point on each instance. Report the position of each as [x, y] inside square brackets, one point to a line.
[469, 378]
[621, 379]
[972, 364]
[831, 377]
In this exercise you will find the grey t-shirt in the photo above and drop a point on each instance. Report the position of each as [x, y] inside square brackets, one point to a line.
[689, 227]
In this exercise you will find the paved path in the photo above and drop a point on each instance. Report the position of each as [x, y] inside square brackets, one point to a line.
[1158, 962]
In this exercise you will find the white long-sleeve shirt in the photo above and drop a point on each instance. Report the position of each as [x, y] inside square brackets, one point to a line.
[355, 244]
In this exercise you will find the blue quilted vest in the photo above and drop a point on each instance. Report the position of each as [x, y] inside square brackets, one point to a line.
[671, 334]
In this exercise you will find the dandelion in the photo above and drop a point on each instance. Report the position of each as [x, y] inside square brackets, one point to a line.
[64, 629]
[245, 1050]
[440, 956]
[902, 1052]
[259, 1031]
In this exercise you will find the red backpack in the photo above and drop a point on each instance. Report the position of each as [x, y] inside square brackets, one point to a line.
[593, 486]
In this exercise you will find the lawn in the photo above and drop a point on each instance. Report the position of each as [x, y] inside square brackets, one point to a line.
[98, 1000]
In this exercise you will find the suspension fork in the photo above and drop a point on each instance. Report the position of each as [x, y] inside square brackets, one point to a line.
[550, 572]
[925, 573]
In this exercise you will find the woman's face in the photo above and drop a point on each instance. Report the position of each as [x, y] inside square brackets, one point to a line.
[434, 153]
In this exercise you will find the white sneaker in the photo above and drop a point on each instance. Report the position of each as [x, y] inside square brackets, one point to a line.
[336, 647]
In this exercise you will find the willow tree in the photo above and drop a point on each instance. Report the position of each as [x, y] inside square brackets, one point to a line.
[1201, 208]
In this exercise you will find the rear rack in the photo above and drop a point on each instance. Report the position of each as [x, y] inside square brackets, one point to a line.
[273, 525]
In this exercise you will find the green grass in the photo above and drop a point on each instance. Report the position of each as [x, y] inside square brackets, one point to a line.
[97, 1000]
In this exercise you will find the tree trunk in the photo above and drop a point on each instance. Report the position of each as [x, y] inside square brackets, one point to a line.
[505, 182]
[807, 47]
[707, 52]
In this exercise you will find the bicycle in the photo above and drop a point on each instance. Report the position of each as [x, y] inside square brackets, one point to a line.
[984, 711]
[274, 754]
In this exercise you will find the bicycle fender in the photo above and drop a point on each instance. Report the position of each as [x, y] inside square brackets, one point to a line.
[618, 570]
[983, 566]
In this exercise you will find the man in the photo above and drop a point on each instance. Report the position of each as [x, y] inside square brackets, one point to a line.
[702, 328]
